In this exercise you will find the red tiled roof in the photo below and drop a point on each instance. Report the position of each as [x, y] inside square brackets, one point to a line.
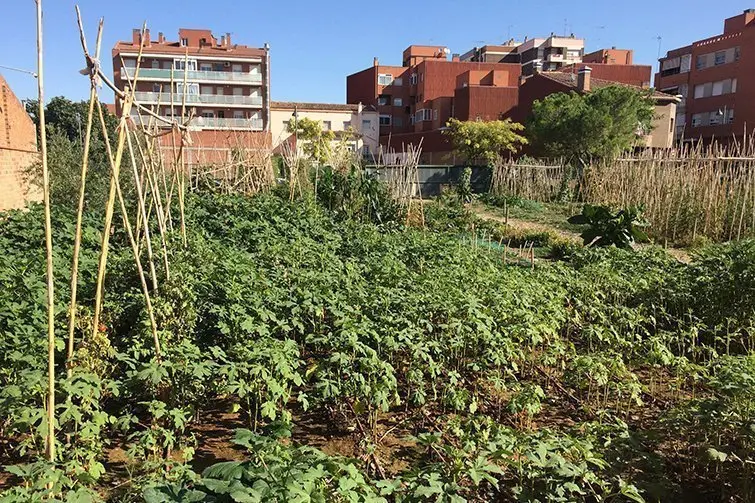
[570, 80]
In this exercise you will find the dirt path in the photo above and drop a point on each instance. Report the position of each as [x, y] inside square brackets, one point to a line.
[526, 225]
[679, 254]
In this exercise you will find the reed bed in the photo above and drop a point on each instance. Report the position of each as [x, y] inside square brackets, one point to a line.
[697, 191]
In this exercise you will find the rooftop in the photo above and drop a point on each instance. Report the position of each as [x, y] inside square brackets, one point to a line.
[570, 80]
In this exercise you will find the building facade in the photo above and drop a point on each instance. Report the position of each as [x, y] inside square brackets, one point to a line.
[715, 78]
[18, 151]
[550, 54]
[357, 125]
[612, 56]
[224, 86]
[414, 102]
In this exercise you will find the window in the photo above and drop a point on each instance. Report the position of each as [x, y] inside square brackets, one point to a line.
[423, 114]
[326, 126]
[734, 85]
[729, 116]
[155, 63]
[156, 88]
[435, 114]
[190, 88]
[184, 42]
[413, 79]
[714, 118]
[385, 120]
[571, 53]
[217, 67]
[202, 41]
[130, 63]
[219, 91]
[720, 58]
[221, 114]
[384, 99]
[411, 120]
[167, 65]
[701, 61]
[238, 91]
[398, 121]
[181, 63]
[718, 88]
[208, 114]
[697, 120]
[366, 124]
[254, 70]
[398, 82]
[385, 79]
[206, 90]
[236, 68]
[398, 102]
[205, 67]
[736, 54]
[346, 125]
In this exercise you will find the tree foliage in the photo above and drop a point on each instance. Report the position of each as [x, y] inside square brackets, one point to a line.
[316, 141]
[66, 123]
[602, 123]
[484, 141]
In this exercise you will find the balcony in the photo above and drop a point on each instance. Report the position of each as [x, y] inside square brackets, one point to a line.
[198, 99]
[198, 123]
[554, 57]
[192, 75]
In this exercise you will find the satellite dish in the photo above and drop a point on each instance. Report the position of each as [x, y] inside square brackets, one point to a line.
[446, 50]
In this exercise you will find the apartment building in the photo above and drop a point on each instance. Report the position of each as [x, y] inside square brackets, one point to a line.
[355, 124]
[550, 54]
[226, 86]
[715, 78]
[18, 151]
[504, 53]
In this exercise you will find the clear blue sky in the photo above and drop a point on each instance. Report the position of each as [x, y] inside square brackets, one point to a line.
[314, 45]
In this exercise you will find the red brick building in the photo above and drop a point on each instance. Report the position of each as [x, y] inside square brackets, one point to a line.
[18, 150]
[716, 79]
[227, 88]
[612, 56]
[416, 100]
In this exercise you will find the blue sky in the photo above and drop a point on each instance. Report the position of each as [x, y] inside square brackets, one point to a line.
[314, 45]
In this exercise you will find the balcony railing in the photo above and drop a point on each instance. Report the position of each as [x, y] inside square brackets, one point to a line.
[192, 75]
[212, 123]
[194, 99]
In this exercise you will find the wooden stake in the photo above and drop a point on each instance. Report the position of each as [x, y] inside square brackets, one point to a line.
[50, 441]
[82, 192]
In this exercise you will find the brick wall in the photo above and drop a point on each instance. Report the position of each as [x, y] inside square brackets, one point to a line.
[18, 150]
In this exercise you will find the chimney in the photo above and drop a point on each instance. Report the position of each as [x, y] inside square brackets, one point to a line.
[222, 40]
[583, 79]
[136, 36]
[375, 61]
[228, 40]
[147, 41]
[160, 38]
[455, 57]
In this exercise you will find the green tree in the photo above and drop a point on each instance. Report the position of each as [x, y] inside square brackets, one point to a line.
[600, 124]
[316, 142]
[484, 141]
[66, 123]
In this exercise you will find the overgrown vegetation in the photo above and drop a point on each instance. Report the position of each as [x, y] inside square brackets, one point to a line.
[608, 376]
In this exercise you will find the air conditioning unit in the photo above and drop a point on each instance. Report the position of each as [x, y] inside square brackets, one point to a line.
[227, 64]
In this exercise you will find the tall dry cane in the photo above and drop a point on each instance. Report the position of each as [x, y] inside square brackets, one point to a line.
[50, 441]
[82, 191]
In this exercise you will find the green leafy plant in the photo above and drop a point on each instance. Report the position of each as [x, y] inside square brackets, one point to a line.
[621, 229]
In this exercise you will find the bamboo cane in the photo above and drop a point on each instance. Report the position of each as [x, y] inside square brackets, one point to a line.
[50, 441]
